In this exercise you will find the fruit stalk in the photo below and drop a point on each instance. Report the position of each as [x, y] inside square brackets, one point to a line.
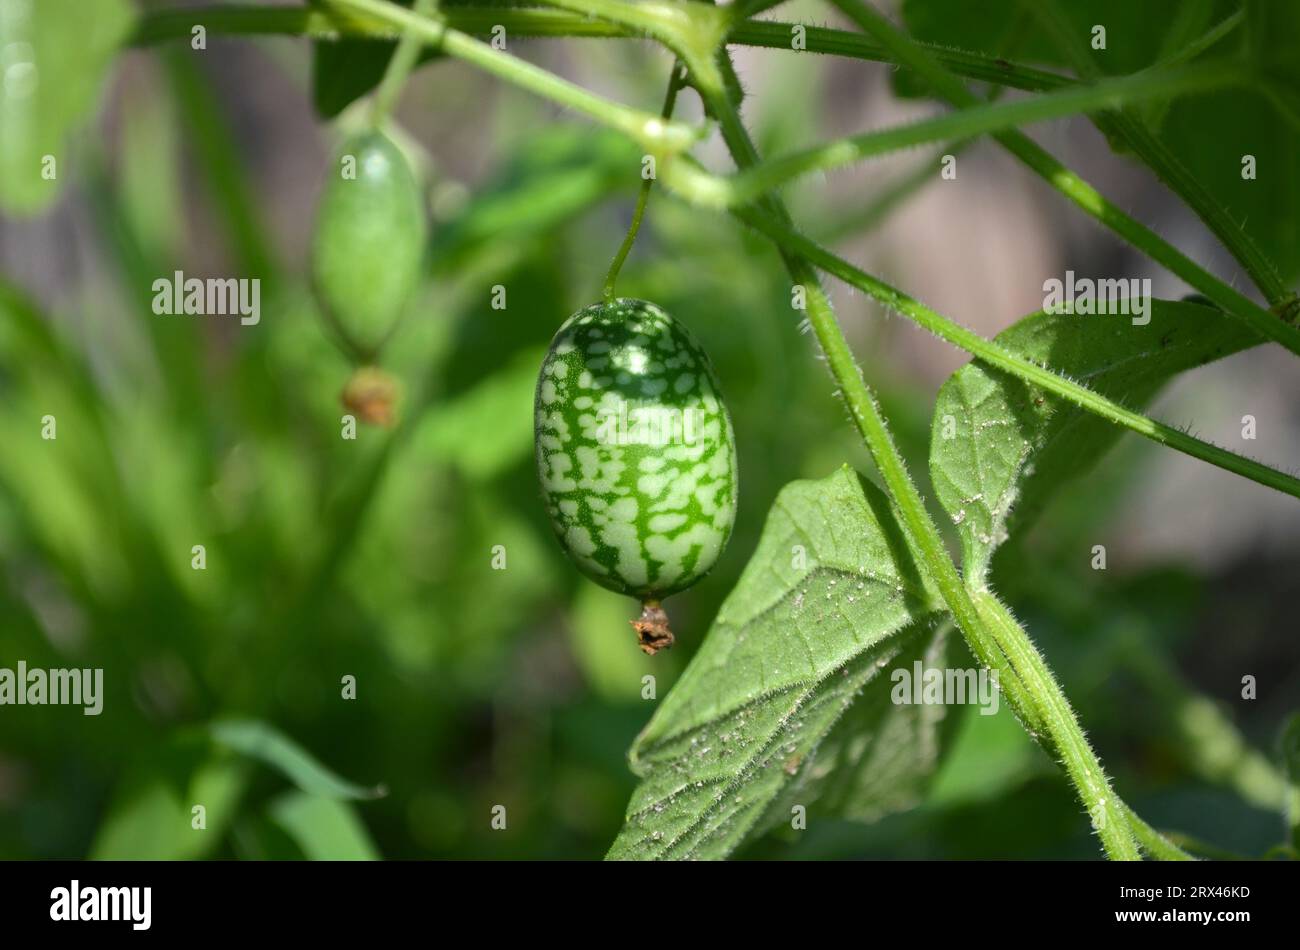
[652, 630]
[643, 195]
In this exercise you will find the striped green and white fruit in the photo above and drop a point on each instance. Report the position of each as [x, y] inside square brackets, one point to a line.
[368, 245]
[635, 453]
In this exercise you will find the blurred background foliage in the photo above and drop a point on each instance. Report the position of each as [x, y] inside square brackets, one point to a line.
[372, 558]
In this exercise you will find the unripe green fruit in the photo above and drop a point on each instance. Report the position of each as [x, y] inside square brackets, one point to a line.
[635, 450]
[368, 246]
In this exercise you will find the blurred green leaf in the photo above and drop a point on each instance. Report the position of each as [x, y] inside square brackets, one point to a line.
[154, 821]
[1290, 746]
[324, 828]
[829, 600]
[990, 755]
[257, 740]
[1000, 449]
[489, 428]
[62, 489]
[342, 71]
[53, 56]
[1273, 32]
[550, 178]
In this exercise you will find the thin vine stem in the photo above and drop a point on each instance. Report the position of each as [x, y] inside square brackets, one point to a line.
[908, 53]
[883, 203]
[990, 352]
[159, 26]
[399, 67]
[654, 133]
[643, 193]
[728, 191]
[1116, 836]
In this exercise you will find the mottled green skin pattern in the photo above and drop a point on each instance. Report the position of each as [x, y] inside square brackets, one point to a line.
[368, 245]
[635, 451]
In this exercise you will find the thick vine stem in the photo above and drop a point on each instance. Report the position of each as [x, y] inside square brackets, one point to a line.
[1056, 717]
[1116, 836]
[905, 51]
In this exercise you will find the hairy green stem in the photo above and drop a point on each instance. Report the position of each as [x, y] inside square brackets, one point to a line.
[742, 188]
[990, 352]
[1116, 836]
[643, 193]
[654, 133]
[908, 53]
[1152, 841]
[1056, 719]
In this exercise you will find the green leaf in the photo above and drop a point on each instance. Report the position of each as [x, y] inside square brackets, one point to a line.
[257, 740]
[880, 757]
[829, 600]
[489, 428]
[1245, 123]
[999, 28]
[53, 55]
[152, 819]
[1263, 122]
[1000, 449]
[324, 828]
[990, 756]
[1273, 32]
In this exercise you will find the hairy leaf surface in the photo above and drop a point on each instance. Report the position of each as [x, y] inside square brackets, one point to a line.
[1000, 448]
[829, 602]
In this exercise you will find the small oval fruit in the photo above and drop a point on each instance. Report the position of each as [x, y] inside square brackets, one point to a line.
[635, 453]
[369, 241]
